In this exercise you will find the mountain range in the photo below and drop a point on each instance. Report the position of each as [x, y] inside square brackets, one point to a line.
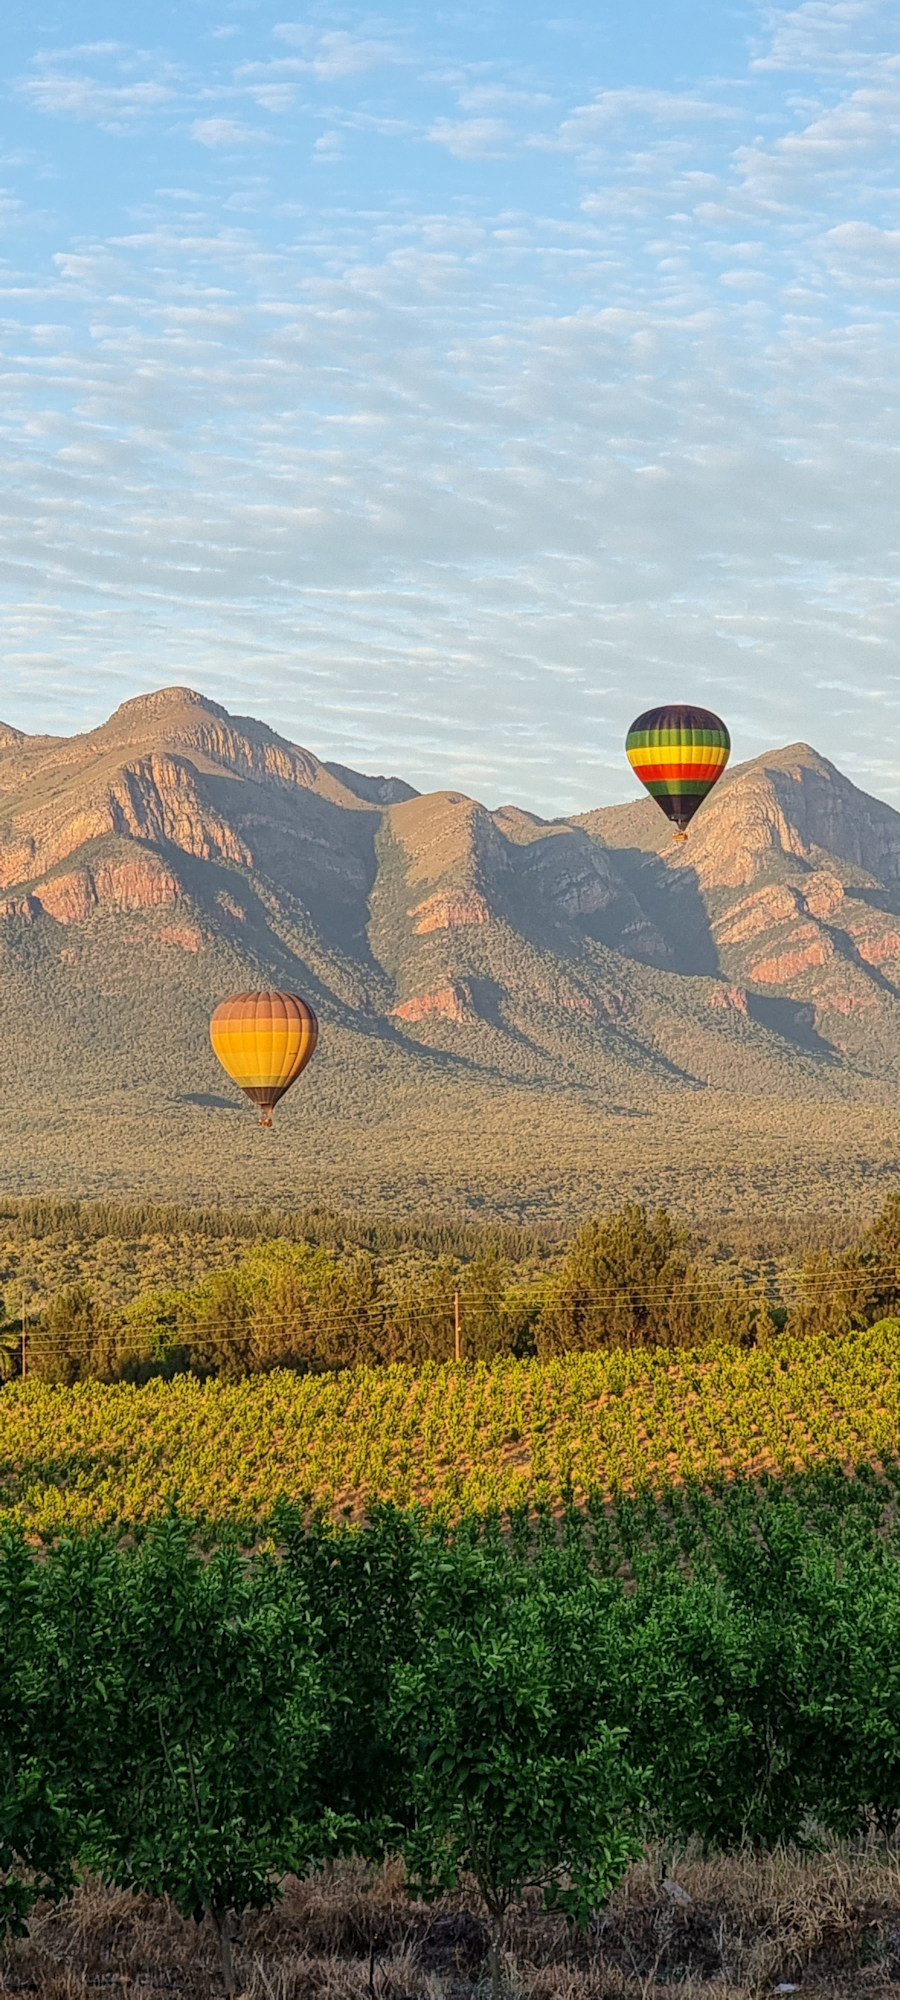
[517, 1014]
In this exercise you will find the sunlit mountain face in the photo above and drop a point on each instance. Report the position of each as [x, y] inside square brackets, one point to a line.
[515, 1011]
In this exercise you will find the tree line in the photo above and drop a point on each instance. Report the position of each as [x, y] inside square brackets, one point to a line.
[494, 1704]
[628, 1279]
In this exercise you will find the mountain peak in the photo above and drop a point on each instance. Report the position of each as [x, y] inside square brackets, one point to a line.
[165, 701]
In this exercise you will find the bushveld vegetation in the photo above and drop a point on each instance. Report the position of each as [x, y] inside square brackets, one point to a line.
[98, 1293]
[286, 1589]
[501, 1707]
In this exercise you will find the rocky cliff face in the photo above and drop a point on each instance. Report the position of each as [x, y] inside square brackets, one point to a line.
[518, 946]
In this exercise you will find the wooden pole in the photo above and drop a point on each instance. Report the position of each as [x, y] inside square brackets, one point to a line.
[24, 1331]
[456, 1324]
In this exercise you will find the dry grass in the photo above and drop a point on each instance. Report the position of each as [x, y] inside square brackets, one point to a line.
[720, 1929]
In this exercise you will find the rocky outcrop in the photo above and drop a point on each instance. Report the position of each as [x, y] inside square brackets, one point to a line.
[448, 841]
[806, 947]
[775, 904]
[448, 1003]
[248, 845]
[177, 721]
[823, 895]
[69, 899]
[186, 936]
[728, 999]
[447, 911]
[139, 884]
[879, 948]
[790, 803]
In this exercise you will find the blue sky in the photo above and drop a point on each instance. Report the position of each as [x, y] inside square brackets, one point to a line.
[444, 384]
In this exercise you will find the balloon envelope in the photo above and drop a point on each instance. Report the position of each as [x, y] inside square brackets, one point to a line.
[264, 1041]
[679, 752]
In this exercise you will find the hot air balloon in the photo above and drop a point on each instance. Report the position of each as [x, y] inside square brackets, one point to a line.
[264, 1040]
[678, 752]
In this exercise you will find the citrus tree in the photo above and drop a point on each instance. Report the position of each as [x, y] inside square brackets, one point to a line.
[503, 1786]
[208, 1791]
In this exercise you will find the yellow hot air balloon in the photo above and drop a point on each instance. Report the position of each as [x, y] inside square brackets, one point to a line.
[264, 1041]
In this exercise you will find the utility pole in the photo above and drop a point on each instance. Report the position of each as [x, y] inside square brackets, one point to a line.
[456, 1324]
[24, 1328]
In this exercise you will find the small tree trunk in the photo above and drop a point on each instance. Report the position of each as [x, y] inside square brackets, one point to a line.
[222, 1925]
[496, 1928]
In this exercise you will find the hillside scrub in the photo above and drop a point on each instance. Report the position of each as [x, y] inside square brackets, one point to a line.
[350, 1295]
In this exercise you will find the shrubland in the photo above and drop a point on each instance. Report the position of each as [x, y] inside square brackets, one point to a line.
[113, 1295]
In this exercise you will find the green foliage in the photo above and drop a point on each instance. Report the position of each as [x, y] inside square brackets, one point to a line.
[466, 1439]
[627, 1280]
[853, 1698]
[364, 1589]
[207, 1791]
[858, 1286]
[75, 1338]
[717, 1680]
[518, 1706]
[244, 1301]
[507, 1784]
[39, 1830]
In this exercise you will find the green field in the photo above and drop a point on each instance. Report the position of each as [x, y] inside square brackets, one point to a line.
[463, 1439]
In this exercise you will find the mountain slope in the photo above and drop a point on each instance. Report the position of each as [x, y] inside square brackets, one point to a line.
[513, 1010]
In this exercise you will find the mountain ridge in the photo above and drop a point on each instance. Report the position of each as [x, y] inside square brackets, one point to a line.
[529, 983]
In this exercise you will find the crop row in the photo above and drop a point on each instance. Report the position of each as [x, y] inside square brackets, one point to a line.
[464, 1439]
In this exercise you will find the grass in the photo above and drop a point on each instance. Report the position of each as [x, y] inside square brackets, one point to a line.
[724, 1928]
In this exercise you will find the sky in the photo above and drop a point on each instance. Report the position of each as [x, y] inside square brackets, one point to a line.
[445, 384]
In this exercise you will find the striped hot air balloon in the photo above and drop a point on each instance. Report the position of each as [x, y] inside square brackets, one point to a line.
[264, 1040]
[678, 752]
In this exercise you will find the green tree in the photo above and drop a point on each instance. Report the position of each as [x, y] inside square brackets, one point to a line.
[715, 1684]
[39, 1829]
[627, 1279]
[221, 1338]
[502, 1787]
[361, 1584]
[208, 1790]
[853, 1702]
[856, 1288]
[74, 1338]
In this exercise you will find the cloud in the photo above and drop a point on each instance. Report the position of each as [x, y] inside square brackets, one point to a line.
[451, 470]
[223, 132]
[329, 147]
[603, 118]
[276, 97]
[471, 138]
[338, 55]
[824, 34]
[63, 94]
